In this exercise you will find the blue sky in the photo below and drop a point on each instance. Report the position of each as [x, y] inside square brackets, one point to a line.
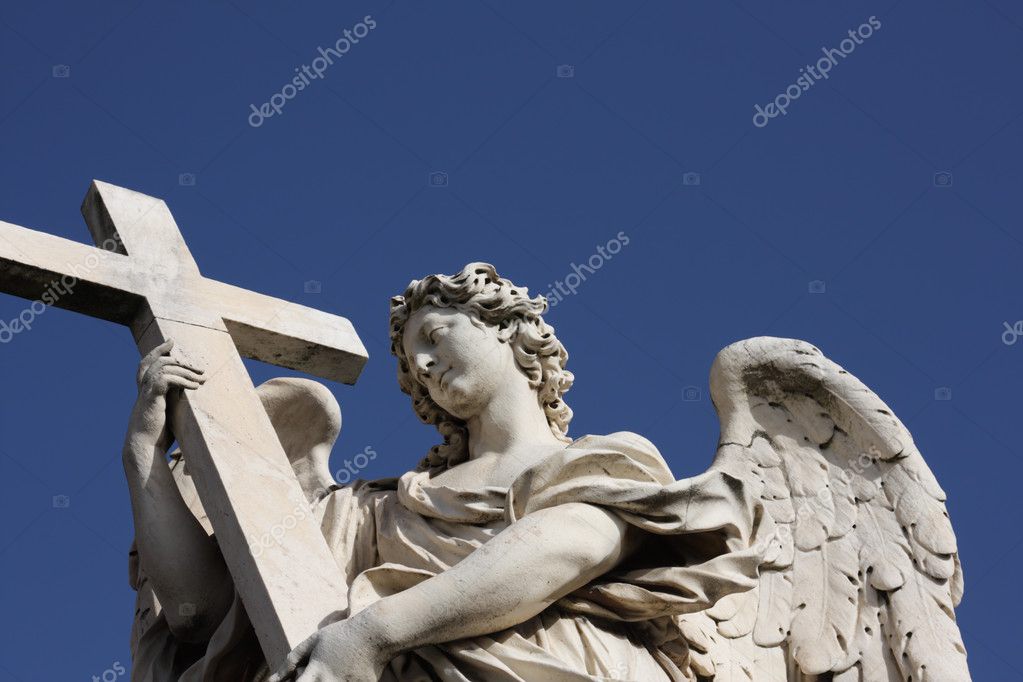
[446, 135]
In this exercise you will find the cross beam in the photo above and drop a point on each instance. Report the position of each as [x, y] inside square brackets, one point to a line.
[144, 277]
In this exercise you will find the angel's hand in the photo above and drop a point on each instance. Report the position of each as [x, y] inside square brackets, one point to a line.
[340, 652]
[158, 374]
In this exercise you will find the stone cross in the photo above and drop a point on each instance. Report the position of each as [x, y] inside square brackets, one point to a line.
[145, 278]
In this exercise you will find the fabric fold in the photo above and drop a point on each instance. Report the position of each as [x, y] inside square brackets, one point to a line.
[698, 540]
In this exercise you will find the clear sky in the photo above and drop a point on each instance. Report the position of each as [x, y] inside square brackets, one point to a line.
[448, 133]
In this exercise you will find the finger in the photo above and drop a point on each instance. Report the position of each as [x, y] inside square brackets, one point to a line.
[154, 368]
[286, 673]
[187, 365]
[283, 676]
[151, 357]
[300, 653]
[162, 349]
[177, 370]
[294, 660]
[164, 367]
[181, 382]
[314, 673]
[169, 361]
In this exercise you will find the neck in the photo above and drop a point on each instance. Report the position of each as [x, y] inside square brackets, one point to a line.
[513, 421]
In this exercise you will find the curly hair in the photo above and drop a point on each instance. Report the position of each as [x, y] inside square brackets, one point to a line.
[480, 292]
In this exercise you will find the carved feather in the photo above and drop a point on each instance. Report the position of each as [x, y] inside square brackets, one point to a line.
[775, 610]
[739, 615]
[729, 659]
[862, 575]
[922, 631]
[824, 618]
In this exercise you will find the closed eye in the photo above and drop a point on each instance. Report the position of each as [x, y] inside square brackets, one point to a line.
[432, 334]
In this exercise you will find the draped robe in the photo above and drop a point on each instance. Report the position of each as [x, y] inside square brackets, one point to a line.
[701, 540]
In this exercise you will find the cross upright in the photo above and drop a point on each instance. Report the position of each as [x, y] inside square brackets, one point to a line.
[144, 277]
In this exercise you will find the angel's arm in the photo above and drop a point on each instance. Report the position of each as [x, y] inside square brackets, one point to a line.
[516, 575]
[183, 564]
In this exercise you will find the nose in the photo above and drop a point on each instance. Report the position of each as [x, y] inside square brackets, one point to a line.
[424, 363]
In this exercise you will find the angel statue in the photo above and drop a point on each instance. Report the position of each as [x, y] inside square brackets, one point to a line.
[816, 547]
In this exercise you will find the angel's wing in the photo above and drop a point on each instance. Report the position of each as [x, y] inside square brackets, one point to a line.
[862, 576]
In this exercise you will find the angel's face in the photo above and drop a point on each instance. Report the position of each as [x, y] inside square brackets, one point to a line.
[461, 360]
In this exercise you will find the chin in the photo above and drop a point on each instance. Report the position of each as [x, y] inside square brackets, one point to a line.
[458, 400]
[451, 401]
